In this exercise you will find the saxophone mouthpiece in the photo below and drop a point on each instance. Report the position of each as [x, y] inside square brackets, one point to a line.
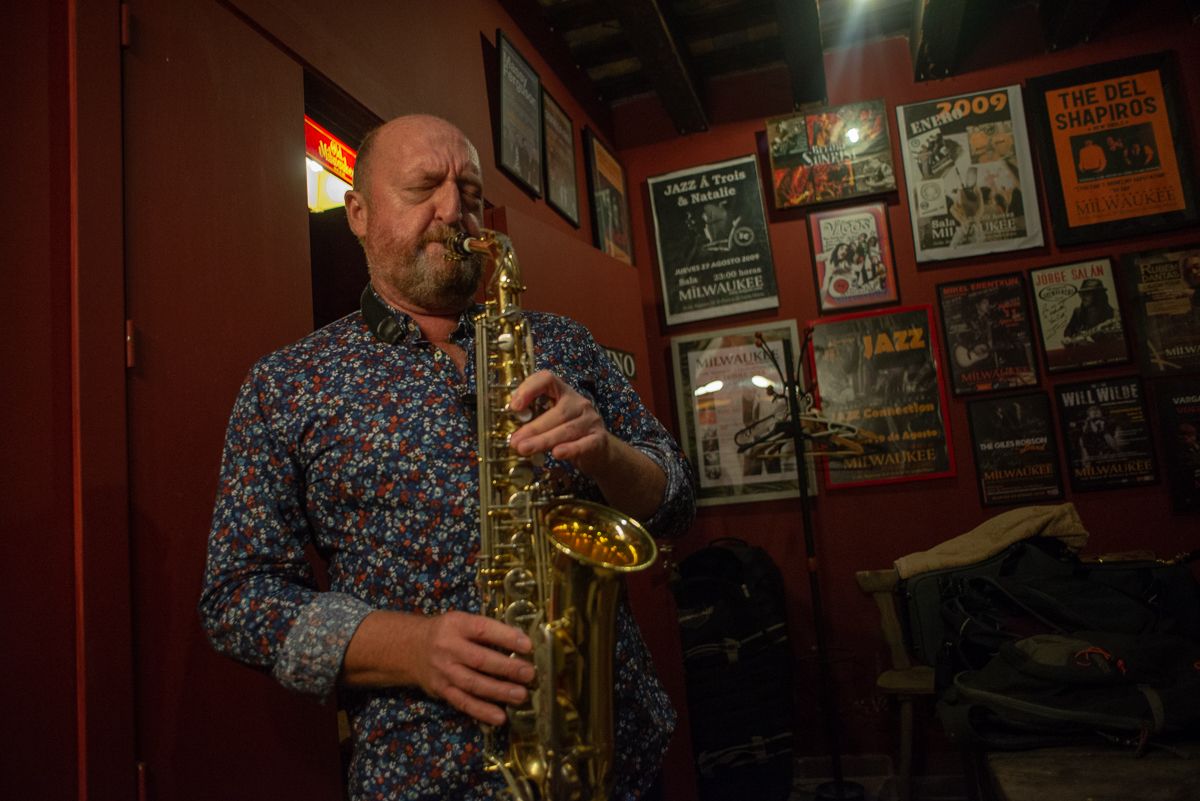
[458, 246]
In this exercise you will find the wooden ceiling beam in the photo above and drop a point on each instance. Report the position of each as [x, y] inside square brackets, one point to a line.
[803, 51]
[936, 38]
[664, 61]
[1070, 22]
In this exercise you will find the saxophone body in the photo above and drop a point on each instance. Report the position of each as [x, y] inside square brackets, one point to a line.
[549, 565]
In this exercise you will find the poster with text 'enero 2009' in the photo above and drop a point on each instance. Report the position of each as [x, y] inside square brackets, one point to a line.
[970, 180]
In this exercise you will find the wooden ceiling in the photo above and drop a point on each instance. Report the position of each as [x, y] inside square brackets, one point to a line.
[610, 51]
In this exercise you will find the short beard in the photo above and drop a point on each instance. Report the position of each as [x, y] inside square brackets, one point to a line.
[430, 286]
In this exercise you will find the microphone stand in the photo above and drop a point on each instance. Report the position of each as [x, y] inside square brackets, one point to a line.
[838, 788]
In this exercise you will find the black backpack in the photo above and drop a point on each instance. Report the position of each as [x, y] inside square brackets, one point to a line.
[1088, 687]
[961, 617]
[738, 663]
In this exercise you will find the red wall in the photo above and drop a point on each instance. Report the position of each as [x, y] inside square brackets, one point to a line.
[37, 595]
[870, 527]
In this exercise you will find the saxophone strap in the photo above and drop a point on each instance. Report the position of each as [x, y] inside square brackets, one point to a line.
[379, 318]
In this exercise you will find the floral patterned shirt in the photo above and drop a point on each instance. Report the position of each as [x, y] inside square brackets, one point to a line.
[367, 451]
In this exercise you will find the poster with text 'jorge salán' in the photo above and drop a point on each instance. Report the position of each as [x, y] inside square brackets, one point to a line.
[970, 179]
[1079, 315]
[710, 229]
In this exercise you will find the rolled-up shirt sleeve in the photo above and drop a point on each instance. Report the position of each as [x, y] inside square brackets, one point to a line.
[260, 603]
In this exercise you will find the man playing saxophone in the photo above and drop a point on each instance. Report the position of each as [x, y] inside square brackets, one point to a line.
[359, 440]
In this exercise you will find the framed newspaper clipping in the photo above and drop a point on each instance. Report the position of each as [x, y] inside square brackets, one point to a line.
[1106, 434]
[611, 230]
[880, 371]
[710, 230]
[830, 154]
[852, 257]
[1016, 456]
[970, 177]
[520, 117]
[558, 136]
[1162, 288]
[1179, 419]
[733, 413]
[989, 336]
[1079, 315]
[1115, 156]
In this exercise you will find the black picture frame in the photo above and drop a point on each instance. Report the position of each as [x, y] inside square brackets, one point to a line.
[520, 142]
[711, 239]
[1093, 125]
[1105, 428]
[558, 156]
[1073, 338]
[608, 198]
[1178, 403]
[1016, 451]
[988, 334]
[1162, 293]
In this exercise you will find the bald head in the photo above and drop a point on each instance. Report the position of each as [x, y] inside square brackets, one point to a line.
[408, 125]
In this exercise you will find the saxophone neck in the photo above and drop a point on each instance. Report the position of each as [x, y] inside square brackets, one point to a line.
[497, 249]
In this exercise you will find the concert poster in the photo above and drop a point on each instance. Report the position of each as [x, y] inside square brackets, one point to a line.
[1106, 434]
[970, 176]
[1179, 418]
[880, 372]
[852, 257]
[710, 230]
[1016, 456]
[1162, 290]
[1079, 315]
[1116, 157]
[989, 337]
[733, 413]
[558, 134]
[832, 154]
[611, 228]
[520, 117]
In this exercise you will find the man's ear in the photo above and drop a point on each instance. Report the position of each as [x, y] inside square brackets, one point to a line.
[356, 212]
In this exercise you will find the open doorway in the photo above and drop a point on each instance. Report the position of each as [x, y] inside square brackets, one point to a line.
[335, 124]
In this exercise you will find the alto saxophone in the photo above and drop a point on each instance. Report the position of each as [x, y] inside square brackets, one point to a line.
[548, 565]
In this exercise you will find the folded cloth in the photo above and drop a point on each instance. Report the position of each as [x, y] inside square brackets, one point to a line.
[995, 534]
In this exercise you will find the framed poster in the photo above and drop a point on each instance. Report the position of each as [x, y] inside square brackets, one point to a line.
[989, 337]
[1016, 458]
[1179, 417]
[970, 177]
[609, 199]
[1162, 288]
[1106, 433]
[880, 371]
[732, 410]
[520, 117]
[710, 230]
[1115, 156]
[852, 257]
[1079, 315]
[558, 138]
[831, 154]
